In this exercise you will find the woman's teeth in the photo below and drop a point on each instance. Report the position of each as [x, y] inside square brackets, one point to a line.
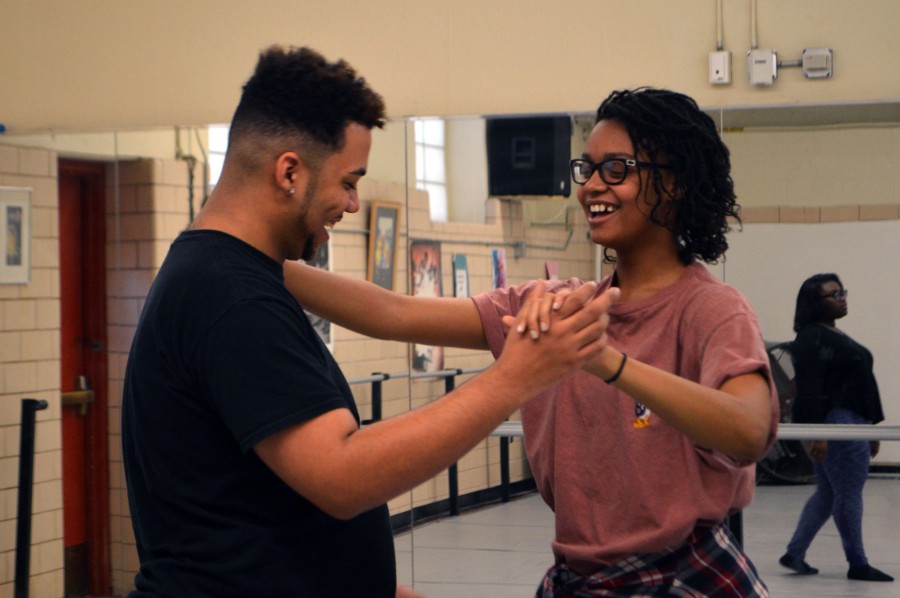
[601, 209]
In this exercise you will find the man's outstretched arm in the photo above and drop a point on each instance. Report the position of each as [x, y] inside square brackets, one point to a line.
[346, 470]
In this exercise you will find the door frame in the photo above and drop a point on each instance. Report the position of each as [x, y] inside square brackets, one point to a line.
[93, 220]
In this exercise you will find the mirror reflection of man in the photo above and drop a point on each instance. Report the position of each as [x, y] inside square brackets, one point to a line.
[248, 473]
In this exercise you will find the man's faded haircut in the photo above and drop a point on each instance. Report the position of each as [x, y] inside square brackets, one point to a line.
[296, 100]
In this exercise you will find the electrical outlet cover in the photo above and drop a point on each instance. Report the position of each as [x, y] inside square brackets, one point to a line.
[818, 63]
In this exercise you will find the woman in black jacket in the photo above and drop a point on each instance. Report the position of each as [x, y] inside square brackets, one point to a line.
[835, 385]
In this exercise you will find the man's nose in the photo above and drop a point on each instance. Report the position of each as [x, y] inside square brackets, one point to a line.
[353, 205]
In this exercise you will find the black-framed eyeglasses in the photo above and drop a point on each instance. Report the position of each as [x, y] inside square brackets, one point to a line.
[613, 171]
[834, 294]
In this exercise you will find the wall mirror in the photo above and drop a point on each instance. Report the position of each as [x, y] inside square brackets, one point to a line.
[819, 189]
[818, 184]
[147, 184]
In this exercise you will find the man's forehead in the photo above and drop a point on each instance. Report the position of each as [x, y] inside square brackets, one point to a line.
[353, 157]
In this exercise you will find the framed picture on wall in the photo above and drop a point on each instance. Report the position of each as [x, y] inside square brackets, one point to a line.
[499, 268]
[384, 231]
[460, 275]
[15, 235]
[551, 268]
[425, 270]
[322, 260]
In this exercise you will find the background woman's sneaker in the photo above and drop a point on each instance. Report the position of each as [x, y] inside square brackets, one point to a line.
[798, 565]
[867, 573]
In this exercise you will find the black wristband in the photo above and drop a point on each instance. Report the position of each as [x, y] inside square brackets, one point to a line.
[619, 371]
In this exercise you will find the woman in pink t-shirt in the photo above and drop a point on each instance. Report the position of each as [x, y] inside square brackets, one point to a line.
[643, 454]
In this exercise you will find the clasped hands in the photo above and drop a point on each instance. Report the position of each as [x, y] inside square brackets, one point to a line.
[541, 307]
[571, 312]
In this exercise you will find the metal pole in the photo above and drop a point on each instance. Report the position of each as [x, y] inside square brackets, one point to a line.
[376, 396]
[453, 473]
[26, 482]
[504, 467]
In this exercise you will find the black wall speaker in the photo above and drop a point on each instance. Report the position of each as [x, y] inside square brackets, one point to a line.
[529, 155]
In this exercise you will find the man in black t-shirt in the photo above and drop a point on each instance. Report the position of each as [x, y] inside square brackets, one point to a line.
[247, 471]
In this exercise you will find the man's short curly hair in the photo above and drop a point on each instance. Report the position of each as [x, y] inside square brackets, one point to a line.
[297, 100]
[669, 128]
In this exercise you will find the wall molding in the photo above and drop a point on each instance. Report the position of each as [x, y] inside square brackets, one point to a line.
[820, 215]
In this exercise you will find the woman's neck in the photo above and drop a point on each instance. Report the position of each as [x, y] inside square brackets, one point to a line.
[640, 277]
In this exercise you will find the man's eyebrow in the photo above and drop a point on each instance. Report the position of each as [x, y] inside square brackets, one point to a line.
[359, 172]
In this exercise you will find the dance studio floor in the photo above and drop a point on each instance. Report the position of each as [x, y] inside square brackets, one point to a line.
[502, 551]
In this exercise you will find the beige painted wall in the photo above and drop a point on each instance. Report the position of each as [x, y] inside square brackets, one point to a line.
[30, 368]
[90, 64]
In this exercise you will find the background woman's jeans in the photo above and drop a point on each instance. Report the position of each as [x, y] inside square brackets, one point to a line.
[839, 485]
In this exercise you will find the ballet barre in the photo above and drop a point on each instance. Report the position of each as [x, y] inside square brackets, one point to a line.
[785, 431]
[837, 432]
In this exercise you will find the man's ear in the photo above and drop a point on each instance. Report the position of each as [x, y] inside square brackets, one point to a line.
[290, 171]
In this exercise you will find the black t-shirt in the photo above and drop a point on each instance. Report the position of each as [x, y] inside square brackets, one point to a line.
[223, 357]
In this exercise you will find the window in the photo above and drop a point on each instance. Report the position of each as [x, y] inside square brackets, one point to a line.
[431, 172]
[217, 143]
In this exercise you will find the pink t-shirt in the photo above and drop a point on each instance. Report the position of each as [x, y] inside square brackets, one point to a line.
[620, 480]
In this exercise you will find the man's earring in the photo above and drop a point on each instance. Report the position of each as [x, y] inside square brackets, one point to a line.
[291, 191]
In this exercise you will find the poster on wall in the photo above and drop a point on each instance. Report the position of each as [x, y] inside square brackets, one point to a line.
[460, 276]
[383, 234]
[322, 260]
[425, 269]
[15, 235]
[552, 269]
[499, 268]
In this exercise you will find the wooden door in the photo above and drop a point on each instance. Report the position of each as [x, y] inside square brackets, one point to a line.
[83, 356]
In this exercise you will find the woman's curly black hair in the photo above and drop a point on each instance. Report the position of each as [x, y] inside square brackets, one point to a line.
[295, 95]
[809, 301]
[669, 128]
